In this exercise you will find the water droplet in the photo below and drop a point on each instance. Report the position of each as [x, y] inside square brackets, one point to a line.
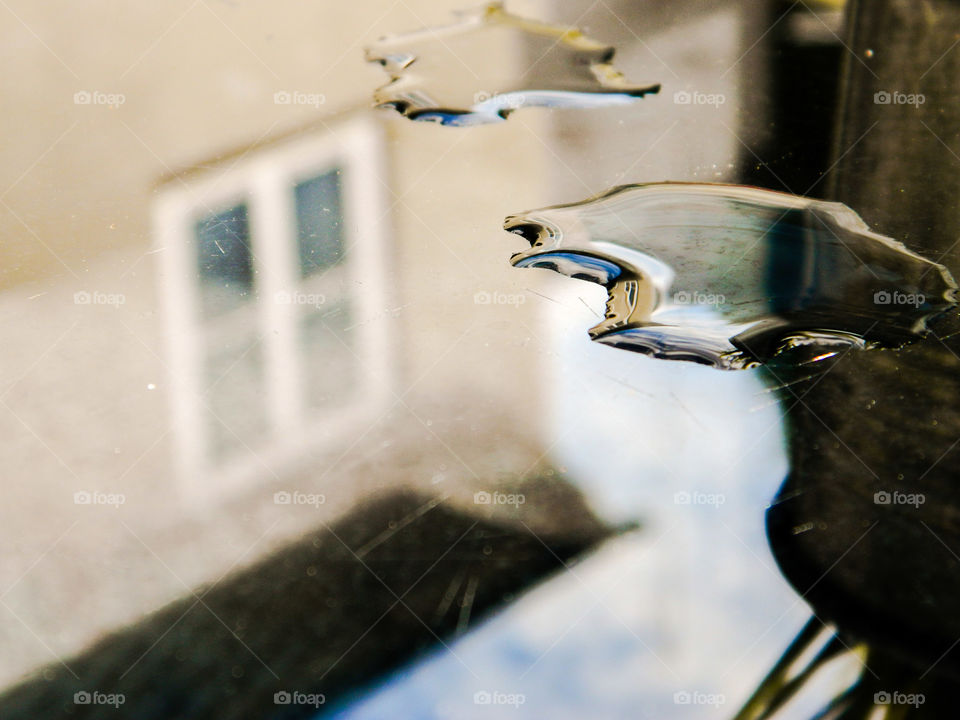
[429, 79]
[733, 276]
[868, 52]
[151, 386]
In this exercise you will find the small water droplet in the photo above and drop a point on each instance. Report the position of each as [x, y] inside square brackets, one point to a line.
[868, 52]
[151, 386]
[429, 79]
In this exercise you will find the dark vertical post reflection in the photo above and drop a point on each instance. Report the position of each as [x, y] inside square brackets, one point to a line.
[883, 565]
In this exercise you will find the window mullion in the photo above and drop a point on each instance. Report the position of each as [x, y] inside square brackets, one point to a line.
[273, 235]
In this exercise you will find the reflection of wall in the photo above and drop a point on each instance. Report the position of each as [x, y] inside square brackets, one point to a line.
[88, 387]
[686, 132]
[197, 79]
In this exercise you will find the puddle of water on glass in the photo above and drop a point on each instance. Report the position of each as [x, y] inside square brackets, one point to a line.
[430, 81]
[727, 276]
[734, 276]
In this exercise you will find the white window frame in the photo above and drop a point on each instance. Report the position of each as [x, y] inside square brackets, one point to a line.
[263, 179]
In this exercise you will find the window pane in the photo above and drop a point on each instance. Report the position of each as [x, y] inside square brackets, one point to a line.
[329, 356]
[319, 222]
[234, 403]
[224, 260]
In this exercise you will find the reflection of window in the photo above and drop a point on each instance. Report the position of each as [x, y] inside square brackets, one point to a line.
[323, 327]
[319, 223]
[224, 259]
[273, 346]
[232, 373]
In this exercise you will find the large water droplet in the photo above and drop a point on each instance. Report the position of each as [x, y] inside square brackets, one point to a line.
[734, 276]
[430, 80]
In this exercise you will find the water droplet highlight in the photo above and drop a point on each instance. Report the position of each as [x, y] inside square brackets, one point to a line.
[430, 80]
[734, 276]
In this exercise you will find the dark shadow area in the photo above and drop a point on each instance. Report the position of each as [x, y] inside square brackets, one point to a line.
[799, 102]
[330, 614]
[867, 526]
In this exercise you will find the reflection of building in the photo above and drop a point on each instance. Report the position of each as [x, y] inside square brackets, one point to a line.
[275, 290]
[324, 305]
[224, 276]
